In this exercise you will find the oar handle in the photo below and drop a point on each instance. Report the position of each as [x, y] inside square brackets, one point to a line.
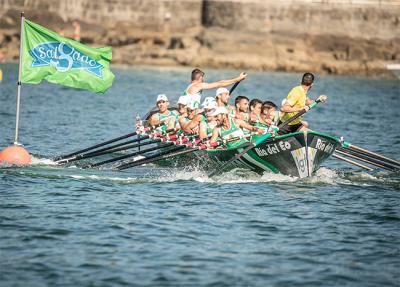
[234, 87]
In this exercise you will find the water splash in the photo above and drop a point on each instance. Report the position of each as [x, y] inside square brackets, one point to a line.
[42, 161]
[47, 168]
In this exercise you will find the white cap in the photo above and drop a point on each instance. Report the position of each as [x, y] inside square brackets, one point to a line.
[210, 112]
[162, 97]
[221, 90]
[193, 104]
[219, 110]
[209, 103]
[183, 100]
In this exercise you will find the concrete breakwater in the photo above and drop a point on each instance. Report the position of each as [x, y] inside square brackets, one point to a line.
[326, 36]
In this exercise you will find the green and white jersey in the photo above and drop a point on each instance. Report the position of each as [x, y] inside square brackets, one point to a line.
[164, 119]
[233, 132]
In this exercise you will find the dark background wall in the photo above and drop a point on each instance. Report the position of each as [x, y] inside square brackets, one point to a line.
[338, 37]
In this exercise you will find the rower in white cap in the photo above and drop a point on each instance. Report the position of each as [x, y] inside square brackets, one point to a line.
[197, 85]
[201, 116]
[222, 97]
[191, 107]
[163, 116]
[208, 121]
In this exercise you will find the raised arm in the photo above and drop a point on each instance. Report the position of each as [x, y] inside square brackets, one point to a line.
[222, 83]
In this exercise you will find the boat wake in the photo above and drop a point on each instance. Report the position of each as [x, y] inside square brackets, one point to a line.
[47, 168]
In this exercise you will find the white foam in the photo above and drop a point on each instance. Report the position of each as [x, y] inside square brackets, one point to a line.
[42, 161]
[105, 178]
[233, 176]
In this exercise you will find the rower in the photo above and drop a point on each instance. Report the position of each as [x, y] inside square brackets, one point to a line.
[208, 121]
[222, 97]
[269, 113]
[182, 110]
[241, 109]
[194, 124]
[184, 121]
[163, 116]
[255, 113]
[228, 128]
[296, 101]
[197, 85]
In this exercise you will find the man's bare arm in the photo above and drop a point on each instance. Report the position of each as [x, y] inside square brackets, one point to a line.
[192, 124]
[154, 120]
[215, 135]
[203, 131]
[247, 126]
[309, 101]
[222, 83]
[287, 108]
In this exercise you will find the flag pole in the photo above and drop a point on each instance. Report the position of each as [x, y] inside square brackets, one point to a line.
[21, 43]
[16, 154]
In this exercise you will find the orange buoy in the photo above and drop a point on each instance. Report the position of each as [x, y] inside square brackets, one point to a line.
[15, 155]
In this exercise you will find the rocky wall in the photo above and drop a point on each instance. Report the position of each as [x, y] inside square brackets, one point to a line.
[328, 36]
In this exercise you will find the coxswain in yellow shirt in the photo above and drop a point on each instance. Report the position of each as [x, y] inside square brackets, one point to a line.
[296, 101]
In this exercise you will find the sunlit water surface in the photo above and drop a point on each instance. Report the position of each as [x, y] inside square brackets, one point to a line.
[153, 226]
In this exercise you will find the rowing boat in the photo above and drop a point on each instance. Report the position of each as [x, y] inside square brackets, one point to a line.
[297, 154]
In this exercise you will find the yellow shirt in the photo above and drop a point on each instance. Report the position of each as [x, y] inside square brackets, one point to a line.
[297, 99]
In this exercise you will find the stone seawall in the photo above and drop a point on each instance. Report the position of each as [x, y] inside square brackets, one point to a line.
[337, 37]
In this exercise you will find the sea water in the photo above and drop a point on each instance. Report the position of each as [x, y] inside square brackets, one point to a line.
[159, 226]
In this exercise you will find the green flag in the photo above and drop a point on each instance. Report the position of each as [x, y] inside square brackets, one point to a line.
[59, 60]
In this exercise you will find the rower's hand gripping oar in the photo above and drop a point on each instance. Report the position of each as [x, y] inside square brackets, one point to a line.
[260, 140]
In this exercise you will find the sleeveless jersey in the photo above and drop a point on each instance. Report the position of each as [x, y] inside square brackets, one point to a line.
[233, 132]
[195, 97]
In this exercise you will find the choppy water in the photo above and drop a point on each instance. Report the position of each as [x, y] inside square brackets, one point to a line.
[154, 226]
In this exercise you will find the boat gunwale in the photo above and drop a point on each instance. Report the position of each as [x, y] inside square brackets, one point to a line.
[278, 138]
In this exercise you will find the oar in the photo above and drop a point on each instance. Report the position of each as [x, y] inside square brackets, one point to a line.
[349, 146]
[108, 151]
[251, 145]
[128, 155]
[167, 144]
[95, 146]
[168, 154]
[352, 162]
[234, 87]
[367, 159]
[110, 148]
[147, 159]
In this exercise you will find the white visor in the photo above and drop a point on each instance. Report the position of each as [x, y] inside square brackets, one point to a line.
[221, 90]
[219, 110]
[162, 97]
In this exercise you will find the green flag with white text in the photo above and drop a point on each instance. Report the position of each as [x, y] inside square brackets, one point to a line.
[59, 60]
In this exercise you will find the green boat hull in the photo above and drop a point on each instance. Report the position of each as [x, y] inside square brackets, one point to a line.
[297, 154]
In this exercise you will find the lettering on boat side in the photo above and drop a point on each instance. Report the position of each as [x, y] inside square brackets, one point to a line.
[324, 146]
[64, 58]
[273, 148]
